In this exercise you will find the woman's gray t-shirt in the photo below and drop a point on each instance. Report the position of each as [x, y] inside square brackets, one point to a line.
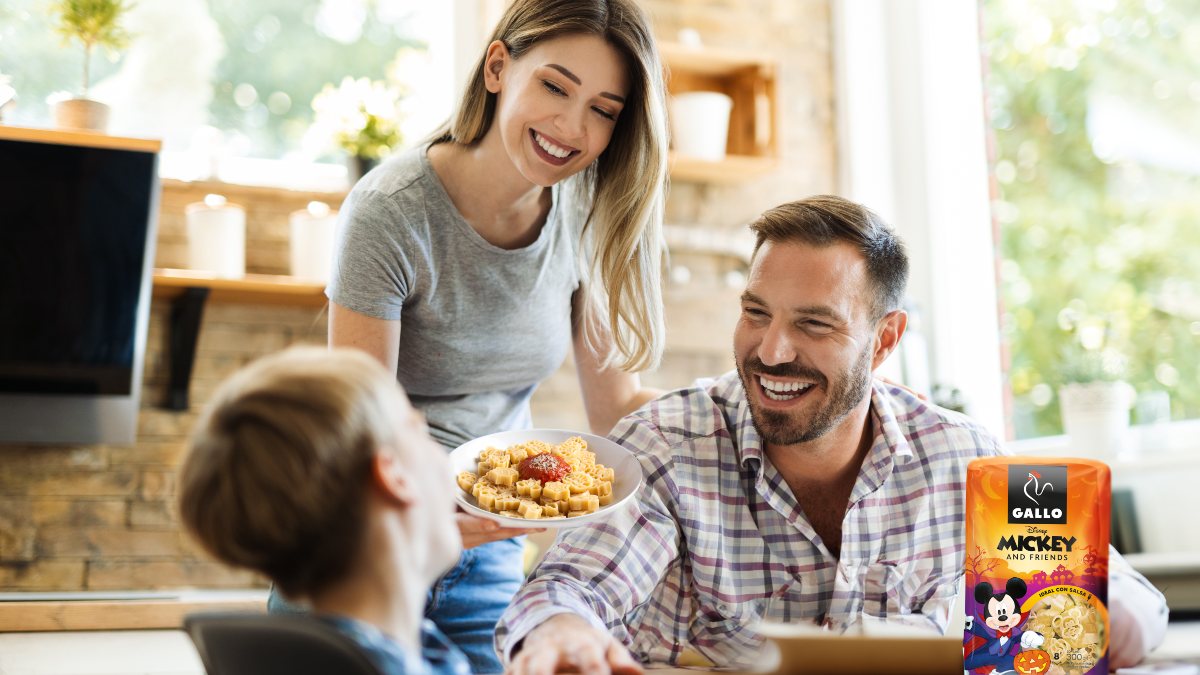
[480, 326]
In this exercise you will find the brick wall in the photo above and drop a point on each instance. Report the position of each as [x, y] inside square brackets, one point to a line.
[102, 517]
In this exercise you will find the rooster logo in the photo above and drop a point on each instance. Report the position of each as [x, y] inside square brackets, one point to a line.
[1038, 486]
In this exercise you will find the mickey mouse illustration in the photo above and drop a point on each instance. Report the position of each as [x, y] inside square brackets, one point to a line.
[1002, 639]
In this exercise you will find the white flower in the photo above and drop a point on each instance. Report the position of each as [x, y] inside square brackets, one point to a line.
[361, 116]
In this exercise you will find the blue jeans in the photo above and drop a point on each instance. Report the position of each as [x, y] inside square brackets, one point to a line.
[466, 603]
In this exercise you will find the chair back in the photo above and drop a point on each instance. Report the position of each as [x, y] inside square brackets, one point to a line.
[270, 644]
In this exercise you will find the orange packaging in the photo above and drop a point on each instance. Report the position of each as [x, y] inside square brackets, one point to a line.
[1037, 566]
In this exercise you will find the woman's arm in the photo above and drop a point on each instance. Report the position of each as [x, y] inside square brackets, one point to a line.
[381, 338]
[378, 337]
[608, 393]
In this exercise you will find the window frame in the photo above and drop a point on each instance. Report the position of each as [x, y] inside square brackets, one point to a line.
[923, 165]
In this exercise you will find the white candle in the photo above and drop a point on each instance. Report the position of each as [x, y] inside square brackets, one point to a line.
[312, 241]
[216, 236]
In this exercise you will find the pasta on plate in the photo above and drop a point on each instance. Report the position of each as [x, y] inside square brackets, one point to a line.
[537, 480]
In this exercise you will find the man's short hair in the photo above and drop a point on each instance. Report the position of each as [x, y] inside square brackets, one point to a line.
[825, 220]
[279, 465]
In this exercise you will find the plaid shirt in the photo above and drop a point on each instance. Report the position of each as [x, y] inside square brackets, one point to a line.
[716, 539]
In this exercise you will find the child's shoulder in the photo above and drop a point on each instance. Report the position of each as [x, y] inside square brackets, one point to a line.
[438, 656]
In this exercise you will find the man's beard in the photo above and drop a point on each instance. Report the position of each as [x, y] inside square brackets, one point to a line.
[842, 395]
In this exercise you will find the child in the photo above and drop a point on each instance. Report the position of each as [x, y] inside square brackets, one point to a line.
[310, 467]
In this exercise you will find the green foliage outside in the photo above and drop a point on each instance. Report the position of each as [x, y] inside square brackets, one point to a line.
[273, 46]
[1094, 242]
[273, 50]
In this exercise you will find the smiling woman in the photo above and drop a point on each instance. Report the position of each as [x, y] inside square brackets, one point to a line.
[529, 225]
[565, 120]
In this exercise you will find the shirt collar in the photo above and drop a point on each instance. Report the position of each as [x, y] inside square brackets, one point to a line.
[888, 447]
[747, 442]
[884, 403]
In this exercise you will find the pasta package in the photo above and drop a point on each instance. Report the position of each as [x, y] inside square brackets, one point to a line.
[1037, 566]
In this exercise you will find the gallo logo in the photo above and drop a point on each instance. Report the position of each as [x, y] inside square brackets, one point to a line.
[1037, 493]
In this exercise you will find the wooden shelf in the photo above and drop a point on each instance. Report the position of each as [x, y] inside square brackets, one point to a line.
[732, 169]
[90, 139]
[748, 79]
[245, 191]
[711, 61]
[187, 291]
[252, 288]
[114, 613]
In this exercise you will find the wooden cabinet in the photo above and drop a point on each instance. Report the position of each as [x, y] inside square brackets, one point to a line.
[749, 80]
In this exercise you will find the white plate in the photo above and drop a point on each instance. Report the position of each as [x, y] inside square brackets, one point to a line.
[626, 480]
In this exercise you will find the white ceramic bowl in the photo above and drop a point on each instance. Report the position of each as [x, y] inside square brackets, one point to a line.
[627, 477]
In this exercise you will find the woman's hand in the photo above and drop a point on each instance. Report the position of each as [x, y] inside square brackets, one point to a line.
[477, 531]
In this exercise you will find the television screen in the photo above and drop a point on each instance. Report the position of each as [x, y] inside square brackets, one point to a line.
[77, 217]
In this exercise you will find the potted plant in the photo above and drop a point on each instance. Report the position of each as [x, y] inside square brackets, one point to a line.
[93, 23]
[361, 117]
[1095, 399]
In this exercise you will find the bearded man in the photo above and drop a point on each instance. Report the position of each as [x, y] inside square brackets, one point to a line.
[797, 488]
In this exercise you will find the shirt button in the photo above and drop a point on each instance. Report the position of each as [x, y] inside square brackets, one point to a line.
[723, 608]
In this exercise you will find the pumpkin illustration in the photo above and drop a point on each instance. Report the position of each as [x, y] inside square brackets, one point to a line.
[1032, 661]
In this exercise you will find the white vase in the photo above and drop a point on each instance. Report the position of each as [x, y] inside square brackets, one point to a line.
[700, 124]
[1096, 417]
[81, 113]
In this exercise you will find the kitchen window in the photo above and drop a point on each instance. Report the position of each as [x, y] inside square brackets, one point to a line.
[1095, 111]
[1087, 193]
[1077, 228]
[229, 85]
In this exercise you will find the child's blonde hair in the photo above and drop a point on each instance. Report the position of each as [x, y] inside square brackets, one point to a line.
[625, 186]
[277, 472]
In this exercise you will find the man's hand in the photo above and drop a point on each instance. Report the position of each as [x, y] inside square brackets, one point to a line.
[568, 643]
[1126, 645]
[476, 531]
[1031, 640]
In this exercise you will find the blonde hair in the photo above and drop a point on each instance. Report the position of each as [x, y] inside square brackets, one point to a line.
[625, 185]
[276, 475]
